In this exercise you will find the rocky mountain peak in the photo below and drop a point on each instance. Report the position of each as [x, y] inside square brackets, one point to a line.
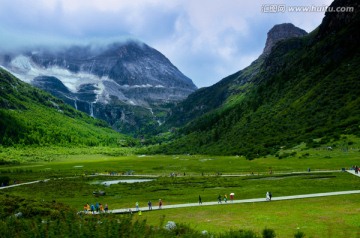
[281, 32]
[128, 84]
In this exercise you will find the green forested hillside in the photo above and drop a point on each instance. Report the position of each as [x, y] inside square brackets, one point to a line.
[307, 88]
[29, 116]
[207, 99]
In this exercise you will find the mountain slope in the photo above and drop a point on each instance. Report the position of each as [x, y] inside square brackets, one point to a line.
[29, 116]
[306, 88]
[222, 93]
[127, 84]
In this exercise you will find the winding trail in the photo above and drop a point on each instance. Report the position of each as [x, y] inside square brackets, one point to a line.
[253, 200]
[27, 183]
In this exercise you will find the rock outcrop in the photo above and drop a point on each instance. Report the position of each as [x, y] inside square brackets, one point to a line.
[281, 32]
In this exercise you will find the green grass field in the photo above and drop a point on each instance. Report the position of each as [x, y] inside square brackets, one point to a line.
[71, 183]
[337, 216]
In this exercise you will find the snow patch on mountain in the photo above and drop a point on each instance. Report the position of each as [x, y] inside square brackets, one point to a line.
[25, 69]
[117, 82]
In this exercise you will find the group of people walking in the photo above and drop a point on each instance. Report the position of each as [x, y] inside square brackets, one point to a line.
[98, 207]
[220, 198]
[137, 208]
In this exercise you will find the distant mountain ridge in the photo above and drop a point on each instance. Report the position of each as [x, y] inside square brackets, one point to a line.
[111, 82]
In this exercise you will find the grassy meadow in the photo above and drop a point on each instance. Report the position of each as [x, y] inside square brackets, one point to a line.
[336, 216]
[73, 174]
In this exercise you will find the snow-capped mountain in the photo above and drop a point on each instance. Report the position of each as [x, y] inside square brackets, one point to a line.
[108, 82]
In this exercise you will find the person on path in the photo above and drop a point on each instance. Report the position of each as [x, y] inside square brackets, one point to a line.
[137, 206]
[219, 199]
[150, 205]
[87, 207]
[225, 198]
[270, 195]
[160, 204]
[97, 207]
[200, 202]
[101, 208]
[106, 208]
[267, 196]
[92, 208]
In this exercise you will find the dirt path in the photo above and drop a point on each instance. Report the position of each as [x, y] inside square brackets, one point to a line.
[155, 206]
[353, 172]
[21, 184]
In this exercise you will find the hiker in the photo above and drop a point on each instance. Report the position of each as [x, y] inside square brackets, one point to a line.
[97, 207]
[160, 203]
[225, 198]
[85, 208]
[92, 208]
[200, 202]
[106, 208]
[267, 196]
[219, 198]
[150, 205]
[137, 206]
[232, 197]
[101, 208]
[270, 195]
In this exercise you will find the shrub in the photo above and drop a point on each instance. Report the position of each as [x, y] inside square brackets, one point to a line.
[299, 234]
[268, 233]
[4, 180]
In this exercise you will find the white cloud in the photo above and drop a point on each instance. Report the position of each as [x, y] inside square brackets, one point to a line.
[207, 40]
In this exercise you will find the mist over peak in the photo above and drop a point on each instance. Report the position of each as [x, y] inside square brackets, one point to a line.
[108, 80]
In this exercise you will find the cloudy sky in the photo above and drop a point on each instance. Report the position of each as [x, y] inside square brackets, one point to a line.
[206, 39]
